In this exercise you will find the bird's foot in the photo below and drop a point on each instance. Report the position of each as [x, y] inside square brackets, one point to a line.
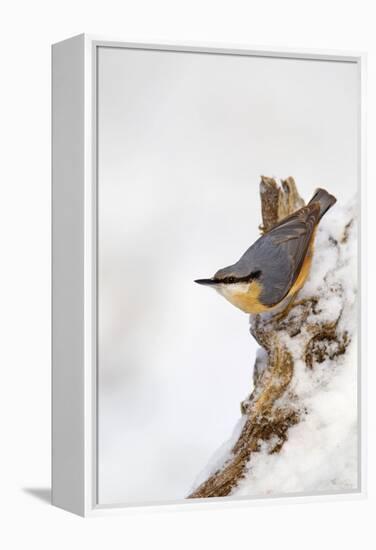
[281, 315]
[278, 317]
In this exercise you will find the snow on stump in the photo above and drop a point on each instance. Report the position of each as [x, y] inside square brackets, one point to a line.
[298, 429]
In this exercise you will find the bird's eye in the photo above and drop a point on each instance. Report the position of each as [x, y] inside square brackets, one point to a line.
[231, 280]
[255, 274]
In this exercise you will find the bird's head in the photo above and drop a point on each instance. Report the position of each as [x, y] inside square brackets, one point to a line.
[239, 288]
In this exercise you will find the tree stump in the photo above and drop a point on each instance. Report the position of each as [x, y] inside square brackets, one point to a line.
[309, 335]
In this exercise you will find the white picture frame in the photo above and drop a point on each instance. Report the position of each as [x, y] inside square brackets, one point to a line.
[74, 270]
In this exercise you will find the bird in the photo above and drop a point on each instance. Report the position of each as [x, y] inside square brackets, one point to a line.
[274, 268]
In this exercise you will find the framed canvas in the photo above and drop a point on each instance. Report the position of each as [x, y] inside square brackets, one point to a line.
[240, 169]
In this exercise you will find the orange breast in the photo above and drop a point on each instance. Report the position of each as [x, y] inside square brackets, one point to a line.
[304, 272]
[249, 301]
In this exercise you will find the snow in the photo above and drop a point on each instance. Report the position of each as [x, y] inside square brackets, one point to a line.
[320, 454]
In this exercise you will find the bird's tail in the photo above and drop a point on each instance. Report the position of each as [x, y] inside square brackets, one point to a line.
[325, 200]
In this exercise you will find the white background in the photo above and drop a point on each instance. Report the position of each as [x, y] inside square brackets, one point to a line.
[27, 29]
[183, 138]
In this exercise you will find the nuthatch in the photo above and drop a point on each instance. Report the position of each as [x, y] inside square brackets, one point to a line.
[273, 270]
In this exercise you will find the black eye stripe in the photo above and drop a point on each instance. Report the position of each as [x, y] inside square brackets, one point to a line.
[231, 280]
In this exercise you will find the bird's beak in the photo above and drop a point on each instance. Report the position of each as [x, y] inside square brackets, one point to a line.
[206, 281]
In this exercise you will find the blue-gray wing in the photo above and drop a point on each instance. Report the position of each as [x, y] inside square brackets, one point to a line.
[280, 253]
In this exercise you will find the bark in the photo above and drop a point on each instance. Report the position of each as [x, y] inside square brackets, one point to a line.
[272, 408]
